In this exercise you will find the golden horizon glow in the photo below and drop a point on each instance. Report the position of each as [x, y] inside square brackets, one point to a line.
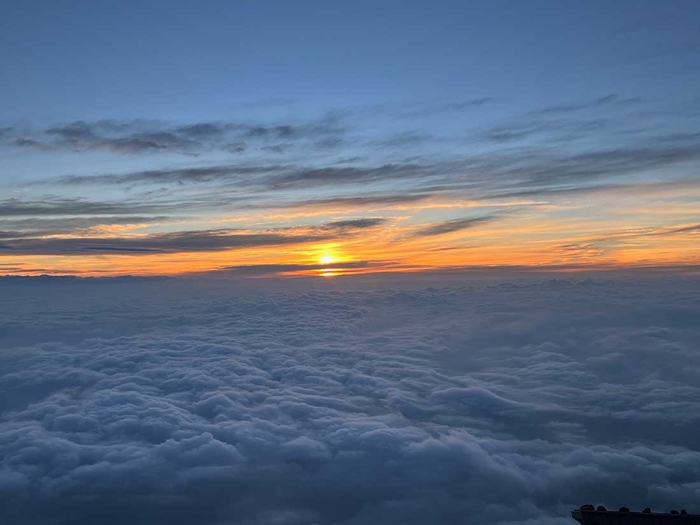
[327, 258]
[574, 234]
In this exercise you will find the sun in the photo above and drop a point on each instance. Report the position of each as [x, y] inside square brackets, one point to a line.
[327, 258]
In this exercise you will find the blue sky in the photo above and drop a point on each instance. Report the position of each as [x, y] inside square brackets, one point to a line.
[91, 60]
[438, 100]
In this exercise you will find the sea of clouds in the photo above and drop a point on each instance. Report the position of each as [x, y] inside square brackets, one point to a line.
[473, 401]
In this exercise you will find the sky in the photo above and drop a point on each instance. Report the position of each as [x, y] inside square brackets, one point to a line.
[348, 263]
[328, 138]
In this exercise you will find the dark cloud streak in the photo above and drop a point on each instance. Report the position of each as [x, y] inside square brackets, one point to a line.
[143, 136]
[23, 243]
[275, 269]
[199, 241]
[65, 206]
[454, 225]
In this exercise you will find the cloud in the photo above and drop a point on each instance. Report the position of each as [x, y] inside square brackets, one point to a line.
[571, 123]
[63, 225]
[119, 137]
[79, 130]
[228, 172]
[30, 243]
[55, 206]
[203, 129]
[453, 225]
[606, 100]
[630, 189]
[580, 250]
[359, 224]
[691, 228]
[23, 142]
[601, 154]
[530, 172]
[278, 132]
[365, 201]
[446, 107]
[353, 175]
[490, 399]
[407, 139]
[194, 241]
[149, 136]
[277, 269]
[263, 176]
[598, 142]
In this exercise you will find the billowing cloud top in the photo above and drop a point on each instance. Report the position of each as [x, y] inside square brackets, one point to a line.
[494, 400]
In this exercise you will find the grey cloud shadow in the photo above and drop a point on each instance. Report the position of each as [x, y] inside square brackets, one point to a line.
[55, 206]
[275, 269]
[199, 241]
[49, 226]
[455, 225]
[149, 136]
[511, 173]
[17, 243]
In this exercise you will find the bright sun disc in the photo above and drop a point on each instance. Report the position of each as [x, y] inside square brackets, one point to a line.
[326, 259]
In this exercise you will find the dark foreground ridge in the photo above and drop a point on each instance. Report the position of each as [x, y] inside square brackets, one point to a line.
[590, 515]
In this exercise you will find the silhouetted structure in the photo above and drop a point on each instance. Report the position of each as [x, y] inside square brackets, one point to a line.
[590, 515]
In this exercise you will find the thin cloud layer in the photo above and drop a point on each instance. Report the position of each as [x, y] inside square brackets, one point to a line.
[281, 269]
[134, 137]
[74, 207]
[576, 171]
[454, 225]
[526, 172]
[507, 400]
[24, 243]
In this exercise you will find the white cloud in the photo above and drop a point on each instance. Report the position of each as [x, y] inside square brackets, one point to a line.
[481, 402]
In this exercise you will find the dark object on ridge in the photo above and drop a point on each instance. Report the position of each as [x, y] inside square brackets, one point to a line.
[590, 515]
[684, 512]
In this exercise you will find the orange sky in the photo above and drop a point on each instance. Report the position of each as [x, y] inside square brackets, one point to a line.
[587, 231]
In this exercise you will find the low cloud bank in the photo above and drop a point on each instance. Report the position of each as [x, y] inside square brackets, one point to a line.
[481, 402]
